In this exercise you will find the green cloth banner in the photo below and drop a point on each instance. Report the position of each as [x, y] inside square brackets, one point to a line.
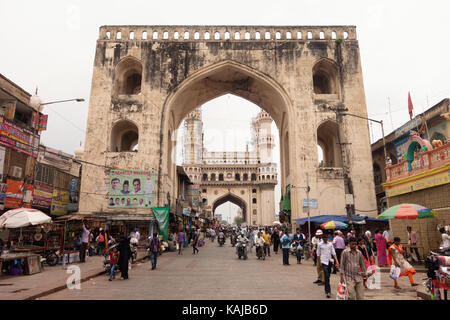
[162, 217]
[287, 199]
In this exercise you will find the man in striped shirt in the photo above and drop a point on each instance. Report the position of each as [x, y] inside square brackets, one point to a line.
[353, 270]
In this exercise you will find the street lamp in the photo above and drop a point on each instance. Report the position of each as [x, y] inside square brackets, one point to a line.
[36, 103]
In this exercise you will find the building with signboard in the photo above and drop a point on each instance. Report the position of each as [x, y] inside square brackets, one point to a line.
[419, 171]
[19, 142]
[57, 182]
[246, 179]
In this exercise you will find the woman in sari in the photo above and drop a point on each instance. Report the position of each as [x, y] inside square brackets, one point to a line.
[395, 254]
[367, 257]
[381, 249]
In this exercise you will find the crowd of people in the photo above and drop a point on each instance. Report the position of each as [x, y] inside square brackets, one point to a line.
[355, 257]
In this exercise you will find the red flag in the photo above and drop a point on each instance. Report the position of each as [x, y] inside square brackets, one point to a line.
[410, 106]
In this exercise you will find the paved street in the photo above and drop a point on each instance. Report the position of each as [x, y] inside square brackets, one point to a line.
[216, 273]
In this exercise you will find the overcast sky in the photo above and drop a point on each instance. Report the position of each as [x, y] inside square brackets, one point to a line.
[404, 47]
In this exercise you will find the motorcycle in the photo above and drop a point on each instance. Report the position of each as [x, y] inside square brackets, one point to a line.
[50, 257]
[221, 241]
[242, 251]
[437, 275]
[260, 252]
[307, 250]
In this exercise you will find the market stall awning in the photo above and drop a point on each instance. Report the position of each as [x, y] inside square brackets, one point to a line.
[325, 218]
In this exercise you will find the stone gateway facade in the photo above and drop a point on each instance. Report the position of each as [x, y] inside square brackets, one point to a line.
[246, 179]
[147, 79]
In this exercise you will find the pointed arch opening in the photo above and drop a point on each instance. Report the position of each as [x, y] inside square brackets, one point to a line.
[328, 142]
[124, 137]
[233, 199]
[325, 77]
[128, 77]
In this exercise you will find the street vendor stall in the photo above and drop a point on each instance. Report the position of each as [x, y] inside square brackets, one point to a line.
[72, 227]
[23, 257]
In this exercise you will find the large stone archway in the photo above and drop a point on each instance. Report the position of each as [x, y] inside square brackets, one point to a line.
[230, 197]
[277, 71]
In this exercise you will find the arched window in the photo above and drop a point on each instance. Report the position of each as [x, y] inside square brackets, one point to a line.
[325, 77]
[328, 142]
[124, 136]
[253, 178]
[205, 177]
[237, 177]
[253, 190]
[220, 176]
[245, 177]
[213, 177]
[128, 76]
[254, 200]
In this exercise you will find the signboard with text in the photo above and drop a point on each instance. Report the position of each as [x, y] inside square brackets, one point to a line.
[312, 203]
[131, 188]
[15, 194]
[17, 138]
[60, 200]
[42, 195]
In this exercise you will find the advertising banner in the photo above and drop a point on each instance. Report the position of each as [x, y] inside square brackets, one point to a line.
[131, 189]
[17, 138]
[162, 217]
[15, 194]
[60, 200]
[73, 196]
[43, 119]
[42, 196]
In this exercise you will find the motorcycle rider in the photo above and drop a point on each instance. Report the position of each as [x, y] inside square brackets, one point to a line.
[221, 236]
[242, 239]
[259, 242]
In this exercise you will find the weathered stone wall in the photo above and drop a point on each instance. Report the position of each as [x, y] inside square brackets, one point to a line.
[178, 75]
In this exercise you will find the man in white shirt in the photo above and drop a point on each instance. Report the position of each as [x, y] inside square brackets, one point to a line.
[325, 255]
[315, 242]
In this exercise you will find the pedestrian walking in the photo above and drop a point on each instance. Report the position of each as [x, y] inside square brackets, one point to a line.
[266, 237]
[316, 240]
[154, 249]
[101, 242]
[325, 255]
[412, 241]
[395, 255]
[251, 238]
[84, 242]
[180, 241]
[367, 256]
[285, 245]
[195, 236]
[339, 245]
[213, 234]
[275, 240]
[381, 249]
[353, 270]
[113, 261]
[124, 256]
[299, 239]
